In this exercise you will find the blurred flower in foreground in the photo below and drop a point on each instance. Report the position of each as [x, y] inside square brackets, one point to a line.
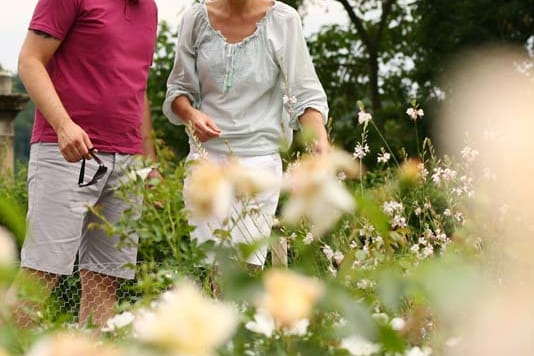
[69, 344]
[410, 173]
[184, 322]
[209, 191]
[118, 322]
[358, 346]
[289, 297]
[417, 351]
[316, 193]
[489, 94]
[264, 323]
[213, 185]
[248, 182]
[8, 249]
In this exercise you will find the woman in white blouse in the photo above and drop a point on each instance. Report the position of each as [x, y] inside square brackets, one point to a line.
[243, 79]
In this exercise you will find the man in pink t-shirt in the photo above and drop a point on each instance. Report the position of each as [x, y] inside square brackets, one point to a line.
[85, 64]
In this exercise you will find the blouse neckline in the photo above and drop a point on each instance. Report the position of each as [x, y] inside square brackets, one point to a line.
[259, 25]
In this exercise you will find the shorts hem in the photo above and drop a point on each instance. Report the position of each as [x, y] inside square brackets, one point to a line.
[46, 269]
[122, 274]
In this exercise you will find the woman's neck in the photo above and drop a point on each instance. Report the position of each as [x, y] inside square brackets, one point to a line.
[239, 6]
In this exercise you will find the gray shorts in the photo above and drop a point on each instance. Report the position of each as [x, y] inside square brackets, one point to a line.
[58, 215]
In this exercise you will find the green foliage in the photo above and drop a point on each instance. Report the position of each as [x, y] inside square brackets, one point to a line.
[173, 136]
[13, 203]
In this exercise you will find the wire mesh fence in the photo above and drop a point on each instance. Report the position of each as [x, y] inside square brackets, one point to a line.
[60, 299]
[49, 299]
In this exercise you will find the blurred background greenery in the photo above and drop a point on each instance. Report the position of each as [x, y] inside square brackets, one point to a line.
[392, 52]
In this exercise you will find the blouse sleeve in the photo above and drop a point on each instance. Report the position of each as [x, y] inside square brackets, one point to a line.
[183, 79]
[299, 77]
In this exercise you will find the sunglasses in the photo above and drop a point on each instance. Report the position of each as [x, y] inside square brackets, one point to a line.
[100, 172]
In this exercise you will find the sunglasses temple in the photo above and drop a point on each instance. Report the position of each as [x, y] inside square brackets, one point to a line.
[98, 160]
[82, 173]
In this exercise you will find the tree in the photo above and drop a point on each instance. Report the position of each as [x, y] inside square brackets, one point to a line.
[447, 27]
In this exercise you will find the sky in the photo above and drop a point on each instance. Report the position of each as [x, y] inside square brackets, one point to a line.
[14, 22]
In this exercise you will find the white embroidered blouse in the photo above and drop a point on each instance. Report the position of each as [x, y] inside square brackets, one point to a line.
[254, 90]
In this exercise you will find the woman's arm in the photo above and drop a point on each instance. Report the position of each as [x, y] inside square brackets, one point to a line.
[313, 120]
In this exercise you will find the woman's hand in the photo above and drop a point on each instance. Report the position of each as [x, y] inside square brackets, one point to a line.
[203, 126]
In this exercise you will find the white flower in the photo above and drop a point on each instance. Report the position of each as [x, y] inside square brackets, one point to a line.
[338, 257]
[469, 154]
[360, 151]
[428, 250]
[397, 324]
[316, 193]
[418, 211]
[449, 174]
[416, 351]
[383, 157]
[308, 239]
[398, 222]
[186, 322]
[391, 207]
[436, 177]
[364, 117]
[328, 252]
[8, 248]
[365, 284]
[263, 323]
[415, 113]
[298, 328]
[447, 212]
[358, 346]
[118, 322]
[423, 172]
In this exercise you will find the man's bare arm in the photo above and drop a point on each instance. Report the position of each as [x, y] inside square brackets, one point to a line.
[37, 50]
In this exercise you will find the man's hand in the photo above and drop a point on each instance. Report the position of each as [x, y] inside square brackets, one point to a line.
[73, 142]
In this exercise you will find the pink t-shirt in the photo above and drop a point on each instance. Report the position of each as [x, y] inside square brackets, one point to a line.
[101, 68]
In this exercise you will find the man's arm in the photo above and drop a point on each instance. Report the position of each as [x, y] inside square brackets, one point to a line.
[37, 49]
[312, 119]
